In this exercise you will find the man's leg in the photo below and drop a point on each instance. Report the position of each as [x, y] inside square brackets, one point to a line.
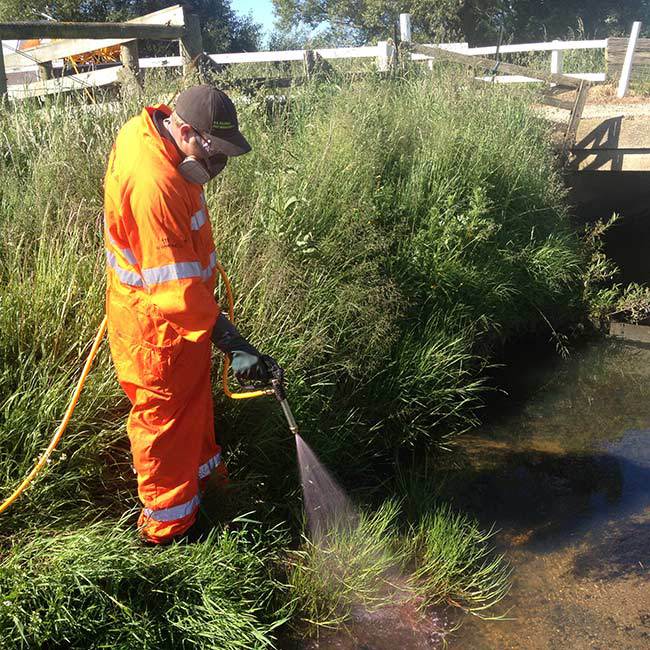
[167, 428]
[212, 463]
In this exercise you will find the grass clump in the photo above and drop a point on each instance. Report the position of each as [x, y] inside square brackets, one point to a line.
[97, 587]
[454, 563]
[349, 567]
[442, 558]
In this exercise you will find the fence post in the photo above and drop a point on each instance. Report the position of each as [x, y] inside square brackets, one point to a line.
[309, 63]
[191, 44]
[130, 57]
[129, 76]
[403, 50]
[45, 70]
[385, 55]
[557, 61]
[624, 82]
[3, 76]
[405, 28]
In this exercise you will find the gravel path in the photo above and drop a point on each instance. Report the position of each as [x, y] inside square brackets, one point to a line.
[598, 111]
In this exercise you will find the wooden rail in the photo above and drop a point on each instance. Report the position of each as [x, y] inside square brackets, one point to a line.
[172, 23]
[170, 17]
[123, 31]
[616, 51]
[558, 82]
[491, 64]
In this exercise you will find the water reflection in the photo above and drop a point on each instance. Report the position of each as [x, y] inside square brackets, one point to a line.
[620, 550]
[547, 495]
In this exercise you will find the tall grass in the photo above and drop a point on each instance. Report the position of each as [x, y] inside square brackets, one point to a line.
[383, 239]
[97, 588]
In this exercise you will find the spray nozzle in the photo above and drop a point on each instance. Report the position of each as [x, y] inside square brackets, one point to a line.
[277, 384]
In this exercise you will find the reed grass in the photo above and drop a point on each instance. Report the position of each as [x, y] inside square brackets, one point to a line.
[97, 587]
[444, 558]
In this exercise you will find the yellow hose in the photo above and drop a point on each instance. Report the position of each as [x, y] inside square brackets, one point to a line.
[86, 369]
[226, 361]
[64, 423]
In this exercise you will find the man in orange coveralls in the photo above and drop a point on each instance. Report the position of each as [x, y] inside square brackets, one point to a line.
[162, 314]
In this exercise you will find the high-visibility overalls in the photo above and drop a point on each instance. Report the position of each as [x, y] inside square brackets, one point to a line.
[161, 309]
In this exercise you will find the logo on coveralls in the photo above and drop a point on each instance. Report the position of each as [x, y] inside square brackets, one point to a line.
[165, 242]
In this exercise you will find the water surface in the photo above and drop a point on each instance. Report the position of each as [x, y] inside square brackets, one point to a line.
[563, 471]
[566, 478]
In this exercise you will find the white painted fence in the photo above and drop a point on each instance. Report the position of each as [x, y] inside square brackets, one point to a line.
[383, 53]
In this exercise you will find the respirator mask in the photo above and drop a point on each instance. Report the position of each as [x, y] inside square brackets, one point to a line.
[201, 170]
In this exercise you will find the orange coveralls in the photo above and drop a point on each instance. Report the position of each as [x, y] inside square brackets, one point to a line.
[161, 309]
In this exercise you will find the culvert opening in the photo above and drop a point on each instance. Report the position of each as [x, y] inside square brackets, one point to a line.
[597, 195]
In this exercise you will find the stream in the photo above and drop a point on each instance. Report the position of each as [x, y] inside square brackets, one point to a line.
[565, 477]
[562, 471]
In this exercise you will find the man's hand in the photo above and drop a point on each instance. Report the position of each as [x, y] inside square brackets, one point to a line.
[249, 366]
[247, 363]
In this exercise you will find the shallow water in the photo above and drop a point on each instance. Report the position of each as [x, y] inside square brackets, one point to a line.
[566, 478]
[564, 473]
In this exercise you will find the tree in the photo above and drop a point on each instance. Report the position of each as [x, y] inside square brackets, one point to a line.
[432, 20]
[548, 19]
[223, 30]
[475, 21]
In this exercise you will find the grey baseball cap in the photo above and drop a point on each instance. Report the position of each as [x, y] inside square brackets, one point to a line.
[211, 112]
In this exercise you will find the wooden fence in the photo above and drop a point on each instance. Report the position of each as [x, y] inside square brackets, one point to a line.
[175, 23]
[616, 50]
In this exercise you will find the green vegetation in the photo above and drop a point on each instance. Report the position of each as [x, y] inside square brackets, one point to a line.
[98, 588]
[476, 21]
[442, 559]
[384, 240]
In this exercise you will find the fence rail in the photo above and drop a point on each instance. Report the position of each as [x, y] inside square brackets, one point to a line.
[171, 18]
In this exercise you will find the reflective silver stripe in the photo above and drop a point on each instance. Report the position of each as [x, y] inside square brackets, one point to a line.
[198, 219]
[178, 271]
[206, 468]
[125, 277]
[127, 253]
[174, 512]
[206, 273]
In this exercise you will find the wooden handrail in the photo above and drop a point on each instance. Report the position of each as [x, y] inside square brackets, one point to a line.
[42, 29]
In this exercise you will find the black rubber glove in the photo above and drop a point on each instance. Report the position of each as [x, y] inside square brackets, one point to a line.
[247, 363]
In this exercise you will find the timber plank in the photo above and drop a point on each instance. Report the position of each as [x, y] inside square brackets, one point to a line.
[558, 103]
[170, 17]
[88, 30]
[479, 62]
[616, 51]
[576, 115]
[630, 332]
